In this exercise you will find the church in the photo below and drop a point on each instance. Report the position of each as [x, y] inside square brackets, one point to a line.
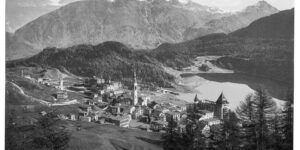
[62, 94]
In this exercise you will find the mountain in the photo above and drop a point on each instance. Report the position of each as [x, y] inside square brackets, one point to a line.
[242, 18]
[265, 49]
[20, 12]
[108, 60]
[138, 24]
[282, 23]
[17, 16]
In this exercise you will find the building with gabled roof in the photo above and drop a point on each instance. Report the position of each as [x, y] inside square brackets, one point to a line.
[218, 108]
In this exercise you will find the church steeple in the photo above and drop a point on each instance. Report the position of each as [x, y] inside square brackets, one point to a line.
[196, 99]
[221, 105]
[61, 83]
[222, 99]
[135, 94]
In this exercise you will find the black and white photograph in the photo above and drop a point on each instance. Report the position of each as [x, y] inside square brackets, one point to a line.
[148, 75]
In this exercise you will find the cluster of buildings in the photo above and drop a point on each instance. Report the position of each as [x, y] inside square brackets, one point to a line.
[208, 113]
[109, 103]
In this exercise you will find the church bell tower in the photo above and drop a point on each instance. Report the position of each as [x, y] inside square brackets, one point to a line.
[135, 94]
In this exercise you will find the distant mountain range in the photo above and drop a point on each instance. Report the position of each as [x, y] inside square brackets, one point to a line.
[137, 24]
[242, 18]
[264, 56]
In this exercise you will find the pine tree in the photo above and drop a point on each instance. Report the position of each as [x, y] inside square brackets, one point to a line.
[265, 107]
[171, 138]
[276, 137]
[246, 110]
[231, 131]
[288, 122]
[246, 113]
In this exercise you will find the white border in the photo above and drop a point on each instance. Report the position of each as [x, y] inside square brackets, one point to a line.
[297, 75]
[2, 74]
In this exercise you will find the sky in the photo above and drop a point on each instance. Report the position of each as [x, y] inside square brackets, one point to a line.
[233, 5]
[227, 5]
[20, 12]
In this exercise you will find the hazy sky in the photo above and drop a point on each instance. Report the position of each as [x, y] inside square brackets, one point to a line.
[232, 5]
[228, 5]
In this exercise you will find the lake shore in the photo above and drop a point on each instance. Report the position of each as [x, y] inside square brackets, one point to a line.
[211, 84]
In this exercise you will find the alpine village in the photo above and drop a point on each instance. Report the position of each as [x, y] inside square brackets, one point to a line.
[150, 75]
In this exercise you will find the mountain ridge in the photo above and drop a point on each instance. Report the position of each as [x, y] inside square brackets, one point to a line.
[282, 23]
[138, 24]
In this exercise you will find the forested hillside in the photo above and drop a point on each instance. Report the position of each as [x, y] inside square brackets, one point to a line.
[108, 60]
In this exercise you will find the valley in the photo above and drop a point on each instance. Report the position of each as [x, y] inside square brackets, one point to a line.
[138, 74]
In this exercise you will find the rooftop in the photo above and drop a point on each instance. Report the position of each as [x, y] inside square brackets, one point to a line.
[205, 111]
[222, 99]
[211, 120]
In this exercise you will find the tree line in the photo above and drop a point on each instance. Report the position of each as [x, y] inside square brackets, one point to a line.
[257, 124]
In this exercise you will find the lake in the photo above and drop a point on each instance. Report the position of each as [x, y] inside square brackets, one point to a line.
[235, 87]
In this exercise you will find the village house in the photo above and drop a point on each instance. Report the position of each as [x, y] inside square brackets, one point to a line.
[72, 117]
[62, 96]
[206, 114]
[137, 113]
[147, 111]
[114, 86]
[40, 80]
[143, 101]
[124, 100]
[158, 125]
[102, 105]
[159, 114]
[115, 110]
[172, 115]
[121, 121]
[91, 102]
[85, 110]
[85, 118]
[212, 121]
[153, 105]
[93, 82]
[181, 108]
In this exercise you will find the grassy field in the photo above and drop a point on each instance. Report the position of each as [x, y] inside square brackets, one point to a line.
[93, 136]
[32, 88]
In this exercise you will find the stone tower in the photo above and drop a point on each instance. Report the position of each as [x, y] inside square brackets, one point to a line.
[221, 106]
[135, 94]
[61, 84]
